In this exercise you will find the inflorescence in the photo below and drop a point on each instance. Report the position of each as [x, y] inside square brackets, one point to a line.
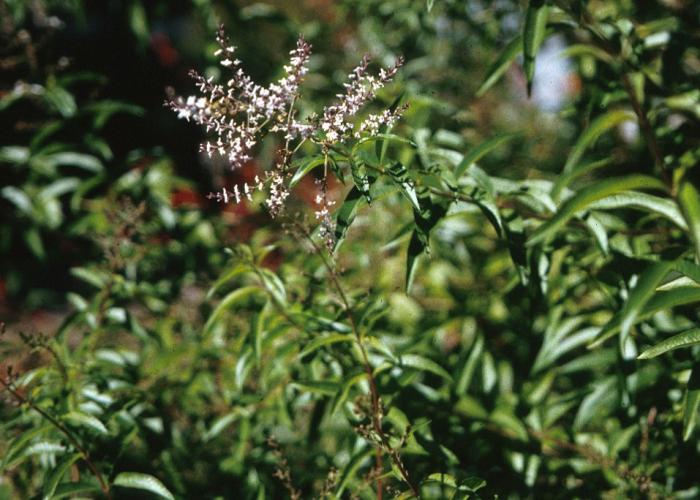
[240, 112]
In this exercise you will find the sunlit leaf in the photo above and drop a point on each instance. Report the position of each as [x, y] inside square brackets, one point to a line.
[588, 195]
[139, 481]
[686, 339]
[502, 63]
[534, 30]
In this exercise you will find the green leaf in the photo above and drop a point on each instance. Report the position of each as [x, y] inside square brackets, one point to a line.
[482, 150]
[33, 239]
[58, 188]
[346, 215]
[14, 154]
[659, 302]
[692, 402]
[588, 195]
[640, 294]
[499, 67]
[424, 364]
[56, 474]
[61, 100]
[654, 204]
[597, 403]
[467, 372]
[349, 470]
[325, 340]
[89, 276]
[689, 201]
[597, 128]
[306, 166]
[75, 490]
[18, 198]
[686, 339]
[219, 425]
[325, 387]
[399, 175]
[137, 480]
[71, 159]
[87, 421]
[585, 49]
[533, 35]
[443, 479]
[232, 299]
[238, 269]
[415, 248]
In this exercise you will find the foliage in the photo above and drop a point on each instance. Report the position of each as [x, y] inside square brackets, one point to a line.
[508, 306]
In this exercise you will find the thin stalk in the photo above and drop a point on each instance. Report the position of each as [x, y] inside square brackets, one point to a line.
[63, 429]
[374, 392]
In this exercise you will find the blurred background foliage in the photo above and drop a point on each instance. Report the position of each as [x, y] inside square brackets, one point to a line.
[166, 346]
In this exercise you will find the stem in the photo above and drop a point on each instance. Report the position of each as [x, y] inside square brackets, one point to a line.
[58, 425]
[644, 125]
[374, 392]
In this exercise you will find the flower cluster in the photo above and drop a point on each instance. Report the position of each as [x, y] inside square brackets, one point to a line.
[241, 111]
[238, 111]
[336, 122]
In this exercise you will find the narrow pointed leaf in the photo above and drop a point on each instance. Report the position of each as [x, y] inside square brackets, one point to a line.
[233, 298]
[641, 293]
[685, 339]
[692, 402]
[306, 166]
[137, 480]
[55, 476]
[642, 201]
[689, 200]
[482, 150]
[499, 67]
[346, 215]
[533, 36]
[424, 364]
[659, 302]
[87, 421]
[588, 195]
[415, 248]
[597, 128]
[325, 340]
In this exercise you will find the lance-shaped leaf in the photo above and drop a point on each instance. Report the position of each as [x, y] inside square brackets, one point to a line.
[642, 201]
[659, 302]
[232, 299]
[306, 166]
[533, 36]
[144, 482]
[588, 195]
[423, 364]
[325, 340]
[692, 402]
[685, 339]
[399, 174]
[425, 221]
[482, 150]
[346, 215]
[639, 296]
[499, 67]
[415, 248]
[689, 200]
[53, 478]
[599, 126]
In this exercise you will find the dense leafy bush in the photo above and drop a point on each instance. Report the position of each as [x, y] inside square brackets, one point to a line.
[494, 298]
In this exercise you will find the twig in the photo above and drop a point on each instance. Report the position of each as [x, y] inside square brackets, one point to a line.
[58, 425]
[374, 392]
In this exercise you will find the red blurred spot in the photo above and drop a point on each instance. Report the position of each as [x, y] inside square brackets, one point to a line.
[185, 197]
[165, 52]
